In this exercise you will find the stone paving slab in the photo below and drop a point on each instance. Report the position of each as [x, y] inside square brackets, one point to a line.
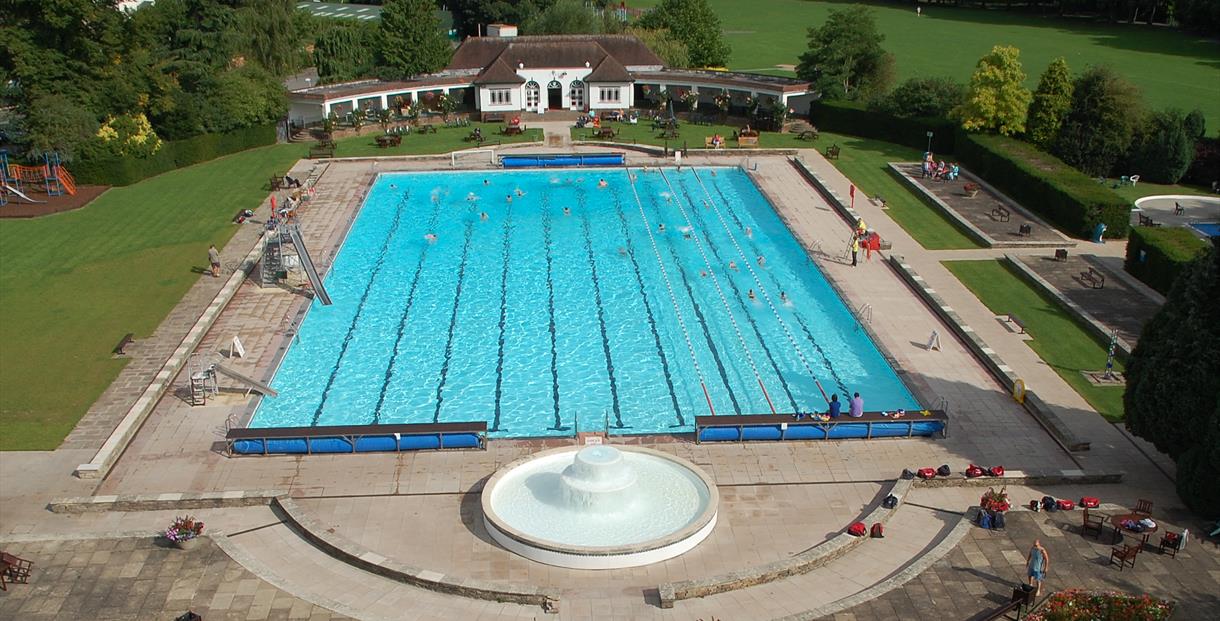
[137, 578]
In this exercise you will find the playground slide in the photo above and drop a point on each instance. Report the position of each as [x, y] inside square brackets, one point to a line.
[307, 264]
[245, 379]
[20, 194]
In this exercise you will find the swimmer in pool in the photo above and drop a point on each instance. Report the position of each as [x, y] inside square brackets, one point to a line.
[483, 216]
[713, 171]
[762, 261]
[733, 265]
[622, 251]
[751, 294]
[486, 182]
[686, 231]
[749, 232]
[601, 183]
[783, 297]
[431, 237]
[567, 211]
[703, 273]
[508, 199]
[661, 227]
[520, 192]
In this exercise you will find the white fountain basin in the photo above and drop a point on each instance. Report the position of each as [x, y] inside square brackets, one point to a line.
[599, 507]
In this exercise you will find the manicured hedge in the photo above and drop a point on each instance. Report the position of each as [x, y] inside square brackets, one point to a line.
[855, 120]
[114, 170]
[1044, 184]
[1156, 255]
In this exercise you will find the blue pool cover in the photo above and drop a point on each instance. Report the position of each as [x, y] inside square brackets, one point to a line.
[562, 161]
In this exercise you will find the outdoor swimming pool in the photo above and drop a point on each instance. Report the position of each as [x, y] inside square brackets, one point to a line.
[569, 306]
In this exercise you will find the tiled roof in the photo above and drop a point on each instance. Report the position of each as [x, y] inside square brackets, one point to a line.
[499, 73]
[610, 70]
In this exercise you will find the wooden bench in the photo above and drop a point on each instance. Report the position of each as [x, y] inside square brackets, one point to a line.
[1147, 221]
[121, 348]
[1001, 213]
[1093, 278]
[832, 152]
[513, 130]
[1025, 230]
[747, 141]
[321, 151]
[708, 144]
[493, 117]
[389, 140]
[1016, 321]
[809, 134]
[669, 134]
[277, 182]
[1022, 596]
[605, 133]
[1061, 255]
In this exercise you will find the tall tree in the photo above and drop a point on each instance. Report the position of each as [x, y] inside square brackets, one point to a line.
[1172, 396]
[471, 16]
[1162, 149]
[845, 58]
[344, 51]
[1051, 102]
[274, 40]
[922, 98]
[663, 44]
[411, 40]
[564, 17]
[997, 100]
[695, 24]
[1106, 110]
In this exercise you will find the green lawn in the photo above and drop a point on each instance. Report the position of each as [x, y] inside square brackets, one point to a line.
[1173, 68]
[445, 139]
[1057, 338]
[1142, 189]
[865, 162]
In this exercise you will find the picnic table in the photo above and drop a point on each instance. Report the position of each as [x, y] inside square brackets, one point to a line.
[605, 132]
[389, 140]
[1117, 522]
[669, 134]
[513, 130]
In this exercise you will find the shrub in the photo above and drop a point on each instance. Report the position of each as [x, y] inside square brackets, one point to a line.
[1162, 150]
[109, 169]
[1044, 184]
[922, 98]
[1205, 169]
[1157, 255]
[1075, 605]
[853, 119]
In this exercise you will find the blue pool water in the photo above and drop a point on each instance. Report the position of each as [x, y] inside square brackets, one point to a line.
[536, 320]
[1210, 229]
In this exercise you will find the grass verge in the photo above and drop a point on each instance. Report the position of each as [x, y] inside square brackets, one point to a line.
[1057, 338]
[445, 139]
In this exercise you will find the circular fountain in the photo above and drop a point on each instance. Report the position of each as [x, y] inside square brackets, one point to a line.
[599, 507]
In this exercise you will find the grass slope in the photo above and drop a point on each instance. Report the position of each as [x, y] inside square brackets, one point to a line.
[1057, 338]
[1173, 68]
[71, 285]
[445, 139]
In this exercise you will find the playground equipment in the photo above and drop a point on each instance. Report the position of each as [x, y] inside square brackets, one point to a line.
[55, 179]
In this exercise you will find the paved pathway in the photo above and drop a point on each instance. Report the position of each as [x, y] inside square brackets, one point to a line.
[139, 578]
[1119, 305]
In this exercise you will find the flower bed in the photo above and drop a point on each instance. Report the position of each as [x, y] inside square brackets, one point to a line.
[184, 528]
[1076, 605]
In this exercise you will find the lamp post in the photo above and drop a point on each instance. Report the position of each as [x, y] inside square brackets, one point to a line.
[929, 149]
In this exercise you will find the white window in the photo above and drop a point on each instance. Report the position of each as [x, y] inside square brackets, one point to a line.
[609, 94]
[577, 95]
[531, 96]
[501, 96]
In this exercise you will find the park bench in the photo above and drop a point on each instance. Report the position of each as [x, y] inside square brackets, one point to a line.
[321, 150]
[389, 140]
[277, 182]
[1001, 213]
[1016, 321]
[1093, 278]
[1025, 230]
[832, 152]
[121, 348]
[707, 143]
[809, 134]
[747, 141]
[669, 134]
[1061, 255]
[605, 133]
[493, 117]
[1147, 221]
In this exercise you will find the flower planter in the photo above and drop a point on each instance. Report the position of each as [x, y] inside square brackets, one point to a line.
[187, 544]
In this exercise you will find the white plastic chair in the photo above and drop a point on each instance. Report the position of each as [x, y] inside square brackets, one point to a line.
[1134, 179]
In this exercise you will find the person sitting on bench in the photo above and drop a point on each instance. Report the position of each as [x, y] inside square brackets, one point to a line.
[290, 182]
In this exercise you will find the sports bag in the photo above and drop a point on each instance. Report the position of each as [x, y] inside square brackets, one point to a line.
[997, 520]
[1048, 504]
[857, 530]
[944, 470]
[890, 502]
[985, 519]
[877, 531]
[1066, 504]
[1090, 502]
[973, 472]
[927, 473]
[907, 474]
[996, 471]
[1035, 506]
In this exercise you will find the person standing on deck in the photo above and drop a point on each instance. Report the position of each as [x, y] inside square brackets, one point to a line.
[214, 260]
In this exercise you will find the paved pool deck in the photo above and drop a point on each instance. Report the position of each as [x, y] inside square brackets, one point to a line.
[779, 498]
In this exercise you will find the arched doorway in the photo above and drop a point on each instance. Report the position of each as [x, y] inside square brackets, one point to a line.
[554, 95]
[576, 95]
[532, 96]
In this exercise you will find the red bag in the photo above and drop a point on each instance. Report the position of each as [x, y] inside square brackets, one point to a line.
[1066, 504]
[996, 471]
[973, 471]
[857, 530]
[878, 531]
[1090, 502]
[1035, 506]
[927, 473]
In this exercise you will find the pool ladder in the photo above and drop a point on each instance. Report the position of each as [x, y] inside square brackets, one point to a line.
[865, 313]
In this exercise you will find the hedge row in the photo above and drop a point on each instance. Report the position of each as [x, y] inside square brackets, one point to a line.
[1157, 255]
[115, 170]
[1044, 184]
[855, 120]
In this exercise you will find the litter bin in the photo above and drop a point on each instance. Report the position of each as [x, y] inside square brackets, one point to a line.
[1098, 231]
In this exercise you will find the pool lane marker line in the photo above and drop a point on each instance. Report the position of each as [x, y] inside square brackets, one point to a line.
[766, 296]
[508, 223]
[601, 313]
[719, 291]
[550, 308]
[368, 288]
[673, 299]
[728, 205]
[402, 320]
[652, 321]
[457, 299]
[741, 303]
